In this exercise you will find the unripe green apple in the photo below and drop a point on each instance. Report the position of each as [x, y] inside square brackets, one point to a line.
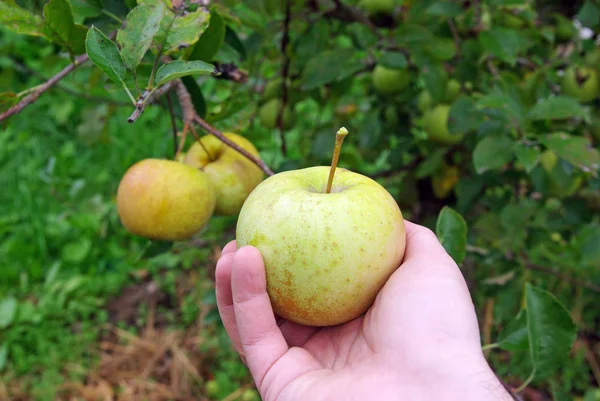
[387, 81]
[581, 83]
[424, 101]
[452, 91]
[373, 7]
[250, 395]
[233, 176]
[269, 111]
[326, 255]
[435, 123]
[165, 200]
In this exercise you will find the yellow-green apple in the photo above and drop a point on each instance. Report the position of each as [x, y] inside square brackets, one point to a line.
[165, 200]
[268, 113]
[435, 123]
[581, 83]
[387, 81]
[233, 176]
[326, 253]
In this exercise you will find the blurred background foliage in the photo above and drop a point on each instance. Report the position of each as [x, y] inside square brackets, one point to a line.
[488, 107]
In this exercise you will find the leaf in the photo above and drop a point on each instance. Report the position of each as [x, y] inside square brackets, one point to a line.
[211, 40]
[589, 14]
[86, 8]
[428, 166]
[75, 252]
[3, 356]
[528, 156]
[136, 37]
[59, 18]
[444, 9]
[180, 68]
[105, 54]
[551, 330]
[8, 310]
[177, 32]
[77, 39]
[587, 242]
[7, 100]
[574, 149]
[463, 116]
[325, 68]
[501, 42]
[436, 80]
[492, 153]
[196, 94]
[232, 39]
[451, 229]
[515, 336]
[20, 20]
[557, 108]
[393, 60]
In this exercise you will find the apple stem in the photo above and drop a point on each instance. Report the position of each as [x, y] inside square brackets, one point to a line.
[206, 150]
[339, 139]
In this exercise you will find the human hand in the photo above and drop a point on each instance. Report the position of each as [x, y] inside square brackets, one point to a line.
[418, 341]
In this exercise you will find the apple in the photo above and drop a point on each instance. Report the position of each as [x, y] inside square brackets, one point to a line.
[453, 88]
[549, 160]
[232, 175]
[435, 123]
[581, 83]
[165, 200]
[373, 7]
[329, 237]
[388, 81]
[424, 101]
[269, 111]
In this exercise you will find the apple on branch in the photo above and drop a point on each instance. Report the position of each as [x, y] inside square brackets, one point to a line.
[330, 238]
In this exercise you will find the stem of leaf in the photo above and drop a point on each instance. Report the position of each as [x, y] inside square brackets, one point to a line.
[490, 346]
[111, 15]
[129, 93]
[529, 380]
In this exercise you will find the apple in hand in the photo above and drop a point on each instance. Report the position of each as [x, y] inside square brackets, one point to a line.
[232, 175]
[165, 200]
[327, 253]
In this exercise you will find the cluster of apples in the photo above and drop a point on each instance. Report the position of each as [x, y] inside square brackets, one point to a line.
[172, 200]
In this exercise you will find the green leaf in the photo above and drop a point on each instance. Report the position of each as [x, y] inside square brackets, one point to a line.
[75, 252]
[330, 66]
[136, 37]
[232, 39]
[574, 149]
[444, 9]
[3, 356]
[179, 68]
[436, 80]
[393, 60]
[86, 8]
[77, 39]
[557, 108]
[428, 166]
[19, 20]
[196, 94]
[515, 336]
[527, 155]
[492, 153]
[211, 40]
[7, 100]
[463, 116]
[551, 330]
[8, 310]
[587, 242]
[59, 18]
[589, 14]
[451, 229]
[501, 42]
[177, 32]
[105, 54]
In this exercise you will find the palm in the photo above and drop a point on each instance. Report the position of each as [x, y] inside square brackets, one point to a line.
[423, 312]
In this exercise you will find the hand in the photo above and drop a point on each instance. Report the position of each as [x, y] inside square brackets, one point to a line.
[418, 341]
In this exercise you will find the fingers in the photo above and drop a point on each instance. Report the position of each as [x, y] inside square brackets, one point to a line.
[230, 247]
[261, 339]
[422, 243]
[225, 297]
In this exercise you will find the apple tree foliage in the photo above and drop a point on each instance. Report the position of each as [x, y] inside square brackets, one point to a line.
[478, 116]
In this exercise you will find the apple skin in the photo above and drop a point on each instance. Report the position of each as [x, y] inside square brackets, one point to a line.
[232, 175]
[268, 112]
[387, 81]
[165, 200]
[586, 91]
[435, 123]
[326, 255]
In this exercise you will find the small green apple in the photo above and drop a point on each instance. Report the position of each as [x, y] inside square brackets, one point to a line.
[388, 81]
[329, 237]
[233, 176]
[581, 83]
[424, 101]
[452, 91]
[165, 200]
[269, 112]
[435, 123]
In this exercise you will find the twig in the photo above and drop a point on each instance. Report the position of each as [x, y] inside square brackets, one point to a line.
[173, 123]
[492, 68]
[190, 115]
[31, 98]
[348, 13]
[563, 276]
[237, 393]
[148, 97]
[455, 35]
[488, 322]
[284, 75]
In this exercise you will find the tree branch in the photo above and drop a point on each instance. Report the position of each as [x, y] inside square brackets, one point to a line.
[147, 98]
[190, 115]
[33, 96]
[563, 276]
[173, 122]
[284, 75]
